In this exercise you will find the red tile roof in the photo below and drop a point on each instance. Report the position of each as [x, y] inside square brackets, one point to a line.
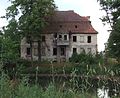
[69, 21]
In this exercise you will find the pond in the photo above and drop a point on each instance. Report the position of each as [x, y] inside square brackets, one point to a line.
[103, 93]
[106, 93]
[104, 88]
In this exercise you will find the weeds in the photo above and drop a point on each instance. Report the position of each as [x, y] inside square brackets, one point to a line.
[24, 90]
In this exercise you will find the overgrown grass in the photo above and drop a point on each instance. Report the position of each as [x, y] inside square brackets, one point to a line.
[83, 65]
[22, 89]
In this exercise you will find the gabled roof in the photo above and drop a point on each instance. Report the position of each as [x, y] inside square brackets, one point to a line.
[69, 21]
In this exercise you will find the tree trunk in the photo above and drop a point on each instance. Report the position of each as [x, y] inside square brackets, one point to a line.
[31, 46]
[39, 50]
[29, 40]
[31, 50]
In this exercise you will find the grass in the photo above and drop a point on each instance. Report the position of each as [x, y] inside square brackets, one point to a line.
[22, 89]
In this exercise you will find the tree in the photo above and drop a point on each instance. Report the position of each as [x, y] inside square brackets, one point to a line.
[30, 17]
[9, 54]
[112, 7]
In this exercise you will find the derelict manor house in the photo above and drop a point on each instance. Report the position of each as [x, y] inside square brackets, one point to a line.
[66, 34]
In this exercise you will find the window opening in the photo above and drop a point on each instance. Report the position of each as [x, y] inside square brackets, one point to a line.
[28, 51]
[43, 38]
[65, 37]
[82, 39]
[54, 51]
[74, 38]
[43, 51]
[74, 50]
[62, 51]
[75, 26]
[60, 26]
[35, 51]
[60, 36]
[89, 39]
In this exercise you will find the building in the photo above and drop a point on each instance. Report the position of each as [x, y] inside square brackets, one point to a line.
[66, 34]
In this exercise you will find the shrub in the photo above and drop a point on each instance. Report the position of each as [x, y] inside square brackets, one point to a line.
[84, 58]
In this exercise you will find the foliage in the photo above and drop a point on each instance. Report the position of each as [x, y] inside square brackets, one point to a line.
[9, 50]
[112, 7]
[54, 68]
[25, 18]
[114, 42]
[22, 89]
[9, 53]
[85, 59]
[31, 14]
[28, 19]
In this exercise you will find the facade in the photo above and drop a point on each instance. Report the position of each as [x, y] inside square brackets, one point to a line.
[66, 33]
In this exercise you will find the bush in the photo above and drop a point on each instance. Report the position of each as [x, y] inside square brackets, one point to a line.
[84, 58]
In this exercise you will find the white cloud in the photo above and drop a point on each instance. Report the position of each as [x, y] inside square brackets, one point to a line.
[3, 6]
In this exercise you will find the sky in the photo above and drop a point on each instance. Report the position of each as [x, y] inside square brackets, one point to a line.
[83, 8]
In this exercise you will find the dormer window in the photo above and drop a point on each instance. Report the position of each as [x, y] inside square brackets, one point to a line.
[75, 26]
[60, 26]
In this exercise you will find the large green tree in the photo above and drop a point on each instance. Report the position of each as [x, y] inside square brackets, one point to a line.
[10, 42]
[29, 19]
[112, 9]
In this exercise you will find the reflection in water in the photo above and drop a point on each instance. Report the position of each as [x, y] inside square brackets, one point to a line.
[103, 93]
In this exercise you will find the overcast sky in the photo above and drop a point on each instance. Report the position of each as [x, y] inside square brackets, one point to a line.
[83, 8]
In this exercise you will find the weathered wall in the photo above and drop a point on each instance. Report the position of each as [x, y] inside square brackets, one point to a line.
[49, 44]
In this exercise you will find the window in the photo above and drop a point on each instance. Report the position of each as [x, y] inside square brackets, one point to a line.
[65, 37]
[82, 50]
[35, 51]
[62, 51]
[60, 26]
[55, 35]
[75, 26]
[89, 50]
[54, 51]
[74, 38]
[89, 39]
[82, 39]
[43, 51]
[74, 50]
[43, 38]
[60, 36]
[28, 51]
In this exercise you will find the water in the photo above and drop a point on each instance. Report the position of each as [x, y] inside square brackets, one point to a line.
[102, 93]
